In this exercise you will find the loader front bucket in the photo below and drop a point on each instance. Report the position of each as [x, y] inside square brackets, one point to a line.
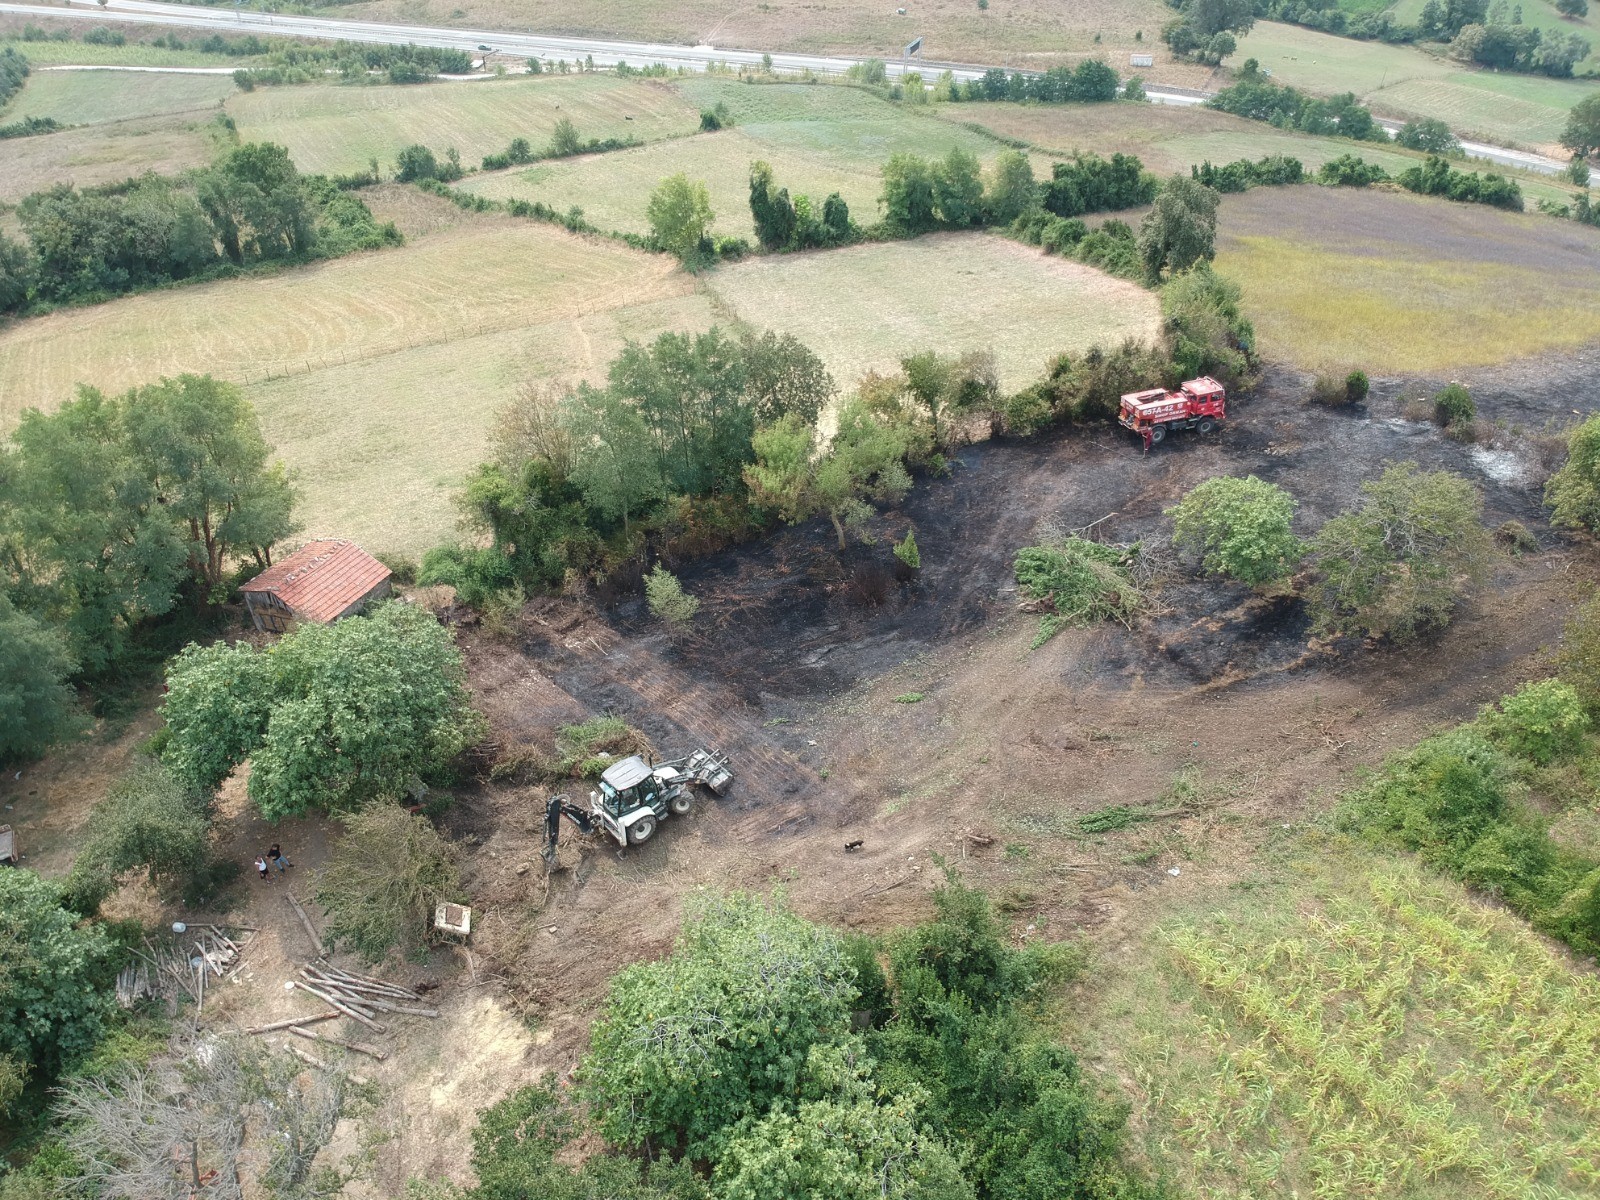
[710, 769]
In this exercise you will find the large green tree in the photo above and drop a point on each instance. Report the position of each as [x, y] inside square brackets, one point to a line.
[54, 972]
[680, 217]
[199, 442]
[1012, 188]
[863, 464]
[909, 204]
[258, 204]
[331, 717]
[1180, 229]
[1582, 134]
[37, 708]
[958, 188]
[1398, 565]
[687, 1047]
[92, 549]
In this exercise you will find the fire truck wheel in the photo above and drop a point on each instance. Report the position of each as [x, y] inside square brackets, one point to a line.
[1206, 425]
[641, 830]
[1157, 434]
[681, 803]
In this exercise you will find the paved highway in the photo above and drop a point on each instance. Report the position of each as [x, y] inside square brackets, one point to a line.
[604, 53]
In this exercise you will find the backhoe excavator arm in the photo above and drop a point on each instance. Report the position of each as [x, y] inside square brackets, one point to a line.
[556, 808]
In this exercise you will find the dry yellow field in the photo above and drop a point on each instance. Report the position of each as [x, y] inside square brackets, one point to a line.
[336, 129]
[387, 368]
[381, 446]
[865, 307]
[103, 154]
[478, 277]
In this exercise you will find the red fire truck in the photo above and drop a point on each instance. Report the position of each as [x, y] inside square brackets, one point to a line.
[1198, 404]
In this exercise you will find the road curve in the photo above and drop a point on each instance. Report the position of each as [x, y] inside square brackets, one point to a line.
[605, 53]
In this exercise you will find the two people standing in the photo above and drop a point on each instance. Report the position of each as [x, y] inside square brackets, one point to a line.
[273, 858]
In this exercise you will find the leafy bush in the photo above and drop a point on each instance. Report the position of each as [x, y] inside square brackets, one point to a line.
[332, 717]
[384, 879]
[1079, 582]
[1275, 170]
[515, 1142]
[1436, 177]
[1439, 798]
[1241, 528]
[1453, 405]
[477, 573]
[668, 602]
[1573, 492]
[1090, 184]
[1349, 171]
[54, 999]
[147, 820]
[1398, 566]
[1541, 723]
[1206, 329]
[687, 1047]
[1430, 135]
[906, 552]
[1452, 799]
[1356, 387]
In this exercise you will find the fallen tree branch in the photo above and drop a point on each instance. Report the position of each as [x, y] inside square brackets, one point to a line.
[313, 1035]
[342, 1006]
[311, 931]
[293, 1022]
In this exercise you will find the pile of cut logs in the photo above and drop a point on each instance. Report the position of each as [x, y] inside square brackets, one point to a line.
[359, 997]
[167, 971]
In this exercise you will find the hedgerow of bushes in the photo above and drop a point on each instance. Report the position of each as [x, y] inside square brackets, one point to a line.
[1459, 800]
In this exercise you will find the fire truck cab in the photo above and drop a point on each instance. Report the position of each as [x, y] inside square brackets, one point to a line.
[1199, 404]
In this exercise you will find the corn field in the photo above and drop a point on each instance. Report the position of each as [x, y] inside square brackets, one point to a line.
[1401, 1042]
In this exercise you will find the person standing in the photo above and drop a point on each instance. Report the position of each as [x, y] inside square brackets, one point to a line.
[276, 858]
[261, 866]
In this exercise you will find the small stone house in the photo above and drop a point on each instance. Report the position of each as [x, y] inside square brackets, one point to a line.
[322, 581]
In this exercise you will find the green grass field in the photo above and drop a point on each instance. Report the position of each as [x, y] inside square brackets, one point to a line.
[1401, 81]
[95, 97]
[1169, 139]
[865, 307]
[1541, 14]
[105, 153]
[1391, 283]
[131, 55]
[818, 140]
[1338, 1025]
[334, 129]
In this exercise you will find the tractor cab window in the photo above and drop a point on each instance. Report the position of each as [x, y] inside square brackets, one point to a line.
[611, 799]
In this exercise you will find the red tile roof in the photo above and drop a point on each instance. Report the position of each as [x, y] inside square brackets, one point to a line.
[322, 578]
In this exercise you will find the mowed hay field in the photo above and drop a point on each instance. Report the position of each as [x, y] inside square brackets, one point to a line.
[818, 139]
[387, 366]
[1404, 82]
[1346, 1026]
[104, 153]
[1389, 282]
[865, 307]
[334, 129]
[382, 446]
[93, 97]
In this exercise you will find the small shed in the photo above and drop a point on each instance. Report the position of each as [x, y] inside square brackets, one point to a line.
[322, 581]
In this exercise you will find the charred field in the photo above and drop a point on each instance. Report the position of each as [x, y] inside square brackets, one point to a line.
[803, 663]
